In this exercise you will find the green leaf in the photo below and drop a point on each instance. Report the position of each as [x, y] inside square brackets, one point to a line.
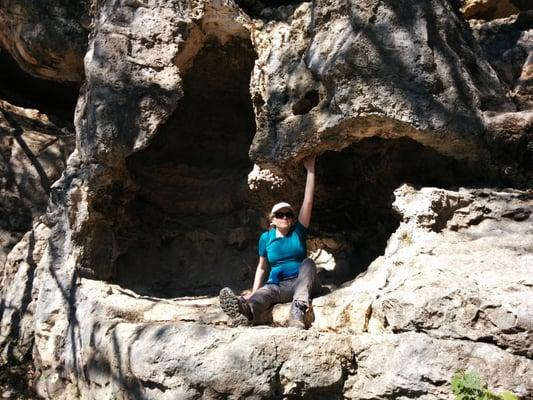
[469, 386]
[508, 396]
[472, 381]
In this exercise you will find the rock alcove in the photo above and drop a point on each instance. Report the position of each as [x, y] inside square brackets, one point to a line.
[197, 222]
[353, 216]
[19, 88]
[194, 220]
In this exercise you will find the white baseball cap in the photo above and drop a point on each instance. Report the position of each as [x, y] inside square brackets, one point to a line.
[279, 206]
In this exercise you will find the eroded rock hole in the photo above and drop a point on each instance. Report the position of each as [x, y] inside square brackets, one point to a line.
[353, 216]
[269, 10]
[195, 232]
[306, 103]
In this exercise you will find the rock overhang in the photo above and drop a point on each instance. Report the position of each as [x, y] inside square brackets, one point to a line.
[48, 40]
[378, 69]
[309, 88]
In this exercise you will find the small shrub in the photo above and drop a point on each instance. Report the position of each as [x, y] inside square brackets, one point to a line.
[406, 238]
[468, 386]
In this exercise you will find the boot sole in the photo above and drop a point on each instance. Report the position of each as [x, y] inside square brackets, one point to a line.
[229, 303]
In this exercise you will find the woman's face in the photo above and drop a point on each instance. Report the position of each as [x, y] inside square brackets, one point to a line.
[283, 218]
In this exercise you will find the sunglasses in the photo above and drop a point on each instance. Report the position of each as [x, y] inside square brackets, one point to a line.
[280, 215]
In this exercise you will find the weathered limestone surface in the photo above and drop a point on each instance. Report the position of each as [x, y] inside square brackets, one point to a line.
[48, 39]
[459, 266]
[508, 46]
[452, 290]
[349, 70]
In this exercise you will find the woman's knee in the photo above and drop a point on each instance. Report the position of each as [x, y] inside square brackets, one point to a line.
[263, 298]
[308, 264]
[308, 276]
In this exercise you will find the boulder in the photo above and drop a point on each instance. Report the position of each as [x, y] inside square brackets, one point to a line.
[34, 148]
[47, 39]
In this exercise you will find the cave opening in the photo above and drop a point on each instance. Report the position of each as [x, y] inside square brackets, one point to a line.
[353, 217]
[195, 222]
[195, 229]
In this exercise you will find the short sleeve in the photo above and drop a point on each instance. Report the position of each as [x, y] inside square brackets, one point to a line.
[300, 230]
[263, 239]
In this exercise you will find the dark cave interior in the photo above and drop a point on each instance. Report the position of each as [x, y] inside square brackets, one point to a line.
[353, 207]
[268, 10]
[19, 88]
[192, 213]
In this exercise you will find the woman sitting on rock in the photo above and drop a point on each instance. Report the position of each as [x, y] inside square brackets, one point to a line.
[292, 276]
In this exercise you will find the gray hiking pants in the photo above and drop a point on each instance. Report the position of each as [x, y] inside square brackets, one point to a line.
[300, 288]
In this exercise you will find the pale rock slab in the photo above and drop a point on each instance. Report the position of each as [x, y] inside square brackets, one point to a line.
[429, 306]
[34, 149]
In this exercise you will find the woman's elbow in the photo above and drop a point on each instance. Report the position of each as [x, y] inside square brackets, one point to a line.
[262, 265]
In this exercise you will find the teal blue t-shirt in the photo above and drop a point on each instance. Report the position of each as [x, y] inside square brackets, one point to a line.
[285, 253]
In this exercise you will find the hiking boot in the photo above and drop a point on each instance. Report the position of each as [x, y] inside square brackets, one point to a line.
[234, 306]
[297, 315]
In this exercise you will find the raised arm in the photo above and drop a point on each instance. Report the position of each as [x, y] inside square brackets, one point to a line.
[307, 204]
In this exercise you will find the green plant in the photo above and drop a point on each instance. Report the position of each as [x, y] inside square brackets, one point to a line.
[468, 386]
[406, 238]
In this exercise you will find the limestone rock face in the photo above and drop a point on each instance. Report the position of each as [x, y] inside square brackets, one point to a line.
[474, 250]
[34, 152]
[48, 39]
[349, 70]
[112, 293]
[131, 133]
[507, 45]
[134, 82]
